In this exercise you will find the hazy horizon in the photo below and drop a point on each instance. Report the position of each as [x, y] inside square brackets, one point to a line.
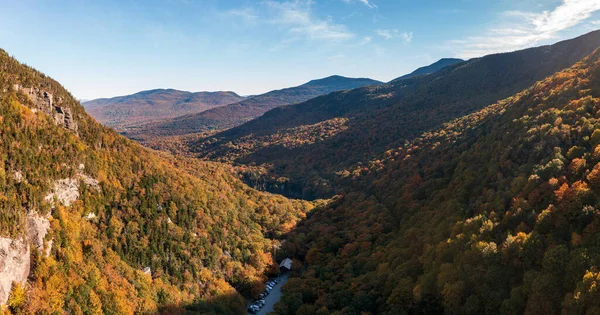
[119, 48]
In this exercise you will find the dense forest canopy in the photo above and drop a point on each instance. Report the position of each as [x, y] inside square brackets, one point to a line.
[494, 212]
[195, 227]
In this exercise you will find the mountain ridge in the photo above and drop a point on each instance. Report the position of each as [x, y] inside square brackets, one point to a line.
[121, 112]
[237, 113]
[383, 116]
[434, 67]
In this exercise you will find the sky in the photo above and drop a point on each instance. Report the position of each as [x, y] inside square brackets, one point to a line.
[119, 47]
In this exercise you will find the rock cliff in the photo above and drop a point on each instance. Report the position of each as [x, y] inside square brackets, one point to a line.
[14, 264]
[45, 102]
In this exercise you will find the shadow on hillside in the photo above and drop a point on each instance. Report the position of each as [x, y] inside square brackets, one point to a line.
[230, 304]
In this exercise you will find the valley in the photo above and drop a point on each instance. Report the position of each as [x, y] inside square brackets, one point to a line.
[466, 185]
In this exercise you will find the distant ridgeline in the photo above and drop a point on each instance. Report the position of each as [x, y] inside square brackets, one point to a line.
[91, 222]
[240, 112]
[304, 150]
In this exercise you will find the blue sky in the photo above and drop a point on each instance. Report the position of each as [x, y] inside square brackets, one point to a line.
[108, 48]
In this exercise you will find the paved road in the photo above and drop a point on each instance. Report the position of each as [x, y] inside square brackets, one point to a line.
[273, 297]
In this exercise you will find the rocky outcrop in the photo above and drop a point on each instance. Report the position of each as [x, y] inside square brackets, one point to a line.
[15, 253]
[18, 177]
[90, 181]
[37, 228]
[14, 264]
[65, 191]
[44, 101]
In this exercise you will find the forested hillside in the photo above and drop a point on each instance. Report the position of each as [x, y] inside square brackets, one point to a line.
[494, 212]
[301, 147]
[94, 223]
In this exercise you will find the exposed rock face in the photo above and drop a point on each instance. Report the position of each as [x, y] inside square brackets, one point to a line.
[90, 181]
[44, 101]
[65, 190]
[18, 176]
[49, 248]
[15, 253]
[37, 228]
[14, 264]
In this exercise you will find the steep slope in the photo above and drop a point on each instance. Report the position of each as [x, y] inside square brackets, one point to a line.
[434, 67]
[238, 113]
[494, 213]
[91, 222]
[154, 105]
[303, 146]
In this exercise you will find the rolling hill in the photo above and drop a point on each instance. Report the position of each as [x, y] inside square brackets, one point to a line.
[91, 222]
[302, 147]
[495, 212]
[235, 114]
[155, 105]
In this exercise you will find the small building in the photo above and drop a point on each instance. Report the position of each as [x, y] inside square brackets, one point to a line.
[285, 265]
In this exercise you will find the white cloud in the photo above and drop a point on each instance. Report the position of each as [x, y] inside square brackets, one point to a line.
[298, 18]
[367, 3]
[407, 37]
[391, 34]
[387, 34]
[523, 29]
[366, 40]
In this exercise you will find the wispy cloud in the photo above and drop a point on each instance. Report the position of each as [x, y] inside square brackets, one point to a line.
[370, 4]
[522, 29]
[366, 40]
[298, 18]
[391, 34]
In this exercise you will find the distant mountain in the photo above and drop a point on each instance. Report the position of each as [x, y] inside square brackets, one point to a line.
[235, 114]
[154, 105]
[434, 67]
[307, 144]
